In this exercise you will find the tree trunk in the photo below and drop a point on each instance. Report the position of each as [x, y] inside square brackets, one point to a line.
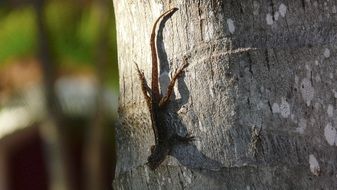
[259, 94]
[52, 129]
[93, 149]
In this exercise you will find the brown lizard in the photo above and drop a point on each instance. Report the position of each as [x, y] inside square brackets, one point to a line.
[164, 140]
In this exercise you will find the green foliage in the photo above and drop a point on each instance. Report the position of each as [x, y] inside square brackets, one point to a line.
[89, 27]
[17, 34]
[73, 31]
[62, 21]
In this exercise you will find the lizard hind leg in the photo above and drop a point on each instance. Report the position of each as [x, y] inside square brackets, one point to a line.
[165, 99]
[177, 139]
[182, 139]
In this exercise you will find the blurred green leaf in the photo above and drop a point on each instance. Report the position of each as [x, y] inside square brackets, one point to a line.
[17, 34]
[73, 32]
[89, 27]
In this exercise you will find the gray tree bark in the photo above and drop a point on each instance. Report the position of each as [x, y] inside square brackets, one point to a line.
[259, 95]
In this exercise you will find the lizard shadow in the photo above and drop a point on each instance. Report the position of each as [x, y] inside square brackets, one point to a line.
[186, 153]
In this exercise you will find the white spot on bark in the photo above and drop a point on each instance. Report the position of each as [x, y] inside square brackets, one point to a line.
[276, 15]
[330, 134]
[220, 17]
[331, 75]
[307, 67]
[284, 108]
[191, 27]
[262, 89]
[307, 91]
[275, 108]
[334, 10]
[198, 144]
[269, 19]
[316, 62]
[256, 7]
[282, 9]
[211, 14]
[211, 91]
[187, 177]
[314, 165]
[330, 110]
[231, 26]
[326, 53]
[296, 79]
[147, 175]
[302, 125]
[202, 128]
[260, 105]
[309, 73]
[209, 30]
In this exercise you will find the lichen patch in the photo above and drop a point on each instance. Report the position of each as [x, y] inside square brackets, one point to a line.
[330, 134]
[314, 165]
[284, 108]
[330, 110]
[275, 108]
[282, 10]
[307, 91]
[256, 8]
[276, 15]
[269, 19]
[230, 24]
[326, 53]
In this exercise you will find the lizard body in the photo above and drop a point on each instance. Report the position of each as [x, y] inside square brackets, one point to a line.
[157, 104]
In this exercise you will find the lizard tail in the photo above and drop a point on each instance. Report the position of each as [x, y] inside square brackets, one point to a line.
[155, 80]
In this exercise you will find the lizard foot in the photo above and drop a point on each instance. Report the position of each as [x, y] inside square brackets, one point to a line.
[182, 139]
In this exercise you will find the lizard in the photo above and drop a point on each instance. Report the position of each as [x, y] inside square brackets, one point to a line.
[157, 103]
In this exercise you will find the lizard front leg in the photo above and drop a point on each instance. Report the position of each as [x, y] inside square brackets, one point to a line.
[165, 99]
[145, 88]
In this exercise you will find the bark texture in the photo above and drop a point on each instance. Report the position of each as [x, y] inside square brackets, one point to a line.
[260, 94]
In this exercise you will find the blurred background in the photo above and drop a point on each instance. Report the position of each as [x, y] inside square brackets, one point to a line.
[58, 94]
